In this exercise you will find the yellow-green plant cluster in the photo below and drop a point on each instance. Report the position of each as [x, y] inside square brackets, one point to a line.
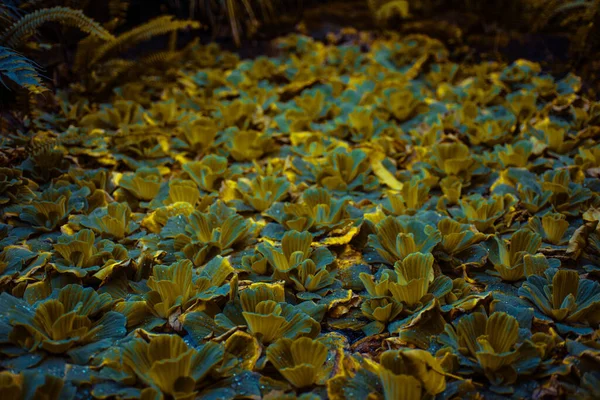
[352, 220]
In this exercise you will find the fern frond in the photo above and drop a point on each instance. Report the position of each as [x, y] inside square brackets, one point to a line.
[85, 51]
[20, 70]
[571, 11]
[233, 21]
[28, 24]
[267, 10]
[173, 41]
[386, 10]
[578, 15]
[592, 11]
[159, 58]
[155, 27]
[235, 13]
[118, 8]
[582, 33]
[9, 12]
[26, 103]
[571, 5]
[546, 13]
[575, 17]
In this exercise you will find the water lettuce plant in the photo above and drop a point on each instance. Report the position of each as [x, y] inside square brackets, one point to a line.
[369, 217]
[492, 346]
[71, 320]
[168, 366]
[300, 361]
[396, 238]
[564, 297]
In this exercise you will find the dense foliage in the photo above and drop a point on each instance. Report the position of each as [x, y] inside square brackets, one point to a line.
[358, 219]
[243, 19]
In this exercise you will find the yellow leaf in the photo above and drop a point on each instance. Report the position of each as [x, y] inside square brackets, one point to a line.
[337, 240]
[382, 173]
[228, 191]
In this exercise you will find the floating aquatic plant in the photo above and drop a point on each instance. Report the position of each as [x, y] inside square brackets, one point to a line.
[249, 145]
[485, 213]
[508, 259]
[490, 344]
[14, 187]
[317, 212]
[346, 171]
[408, 374]
[73, 320]
[49, 211]
[208, 172]
[459, 242]
[261, 192]
[412, 198]
[207, 235]
[167, 365]
[563, 296]
[300, 361]
[415, 278]
[356, 219]
[294, 252]
[113, 221]
[395, 238]
[175, 289]
[268, 317]
[452, 158]
[381, 310]
[144, 184]
[81, 255]
[551, 227]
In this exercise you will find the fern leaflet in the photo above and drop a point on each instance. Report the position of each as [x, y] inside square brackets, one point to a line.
[20, 70]
[155, 27]
[28, 24]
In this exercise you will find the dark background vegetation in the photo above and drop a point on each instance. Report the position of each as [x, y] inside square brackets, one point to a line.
[560, 34]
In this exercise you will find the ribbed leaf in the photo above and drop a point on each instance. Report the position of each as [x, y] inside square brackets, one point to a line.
[27, 25]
